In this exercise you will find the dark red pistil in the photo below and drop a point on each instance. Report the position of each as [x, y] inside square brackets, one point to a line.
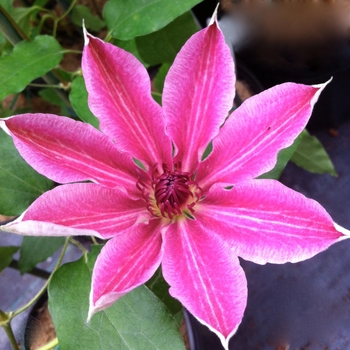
[171, 191]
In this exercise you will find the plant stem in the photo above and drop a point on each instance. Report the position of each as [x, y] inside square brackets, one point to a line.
[46, 86]
[49, 345]
[79, 245]
[13, 33]
[42, 290]
[8, 329]
[67, 10]
[78, 52]
[35, 271]
[94, 240]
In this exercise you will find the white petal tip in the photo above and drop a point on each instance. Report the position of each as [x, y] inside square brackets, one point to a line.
[86, 37]
[323, 85]
[92, 308]
[224, 341]
[320, 88]
[4, 127]
[215, 15]
[90, 314]
[342, 230]
[225, 344]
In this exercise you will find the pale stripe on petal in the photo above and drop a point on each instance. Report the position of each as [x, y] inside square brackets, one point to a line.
[264, 221]
[65, 150]
[125, 262]
[87, 207]
[205, 276]
[248, 143]
[120, 97]
[198, 94]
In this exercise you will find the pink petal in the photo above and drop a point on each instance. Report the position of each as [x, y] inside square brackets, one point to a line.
[198, 94]
[264, 221]
[124, 263]
[65, 150]
[248, 144]
[205, 276]
[120, 97]
[81, 209]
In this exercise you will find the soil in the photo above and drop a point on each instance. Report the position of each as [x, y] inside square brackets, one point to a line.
[40, 329]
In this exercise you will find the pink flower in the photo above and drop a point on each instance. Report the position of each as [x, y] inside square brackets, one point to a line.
[192, 215]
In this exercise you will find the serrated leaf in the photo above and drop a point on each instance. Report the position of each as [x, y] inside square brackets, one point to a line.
[127, 19]
[92, 22]
[282, 159]
[311, 156]
[20, 184]
[37, 249]
[163, 45]
[28, 61]
[6, 254]
[139, 320]
[78, 97]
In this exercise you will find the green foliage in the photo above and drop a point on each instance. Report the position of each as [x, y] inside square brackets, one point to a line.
[20, 184]
[282, 159]
[28, 61]
[128, 19]
[139, 320]
[160, 287]
[306, 152]
[92, 22]
[50, 96]
[6, 4]
[160, 77]
[78, 98]
[130, 46]
[162, 46]
[6, 254]
[37, 249]
[311, 156]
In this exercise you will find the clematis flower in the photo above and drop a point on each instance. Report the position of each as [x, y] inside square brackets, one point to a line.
[153, 194]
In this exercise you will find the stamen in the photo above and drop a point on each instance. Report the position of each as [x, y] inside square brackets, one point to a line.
[169, 194]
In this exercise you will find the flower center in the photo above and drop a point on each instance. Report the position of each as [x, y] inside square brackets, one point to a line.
[170, 194]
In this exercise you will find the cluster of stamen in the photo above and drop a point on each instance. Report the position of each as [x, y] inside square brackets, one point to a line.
[169, 194]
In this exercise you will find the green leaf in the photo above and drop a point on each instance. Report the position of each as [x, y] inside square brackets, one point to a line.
[50, 95]
[37, 249]
[20, 184]
[162, 46]
[78, 98]
[160, 77]
[128, 19]
[92, 22]
[160, 288]
[6, 254]
[157, 97]
[6, 4]
[130, 46]
[28, 61]
[139, 320]
[282, 159]
[311, 156]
